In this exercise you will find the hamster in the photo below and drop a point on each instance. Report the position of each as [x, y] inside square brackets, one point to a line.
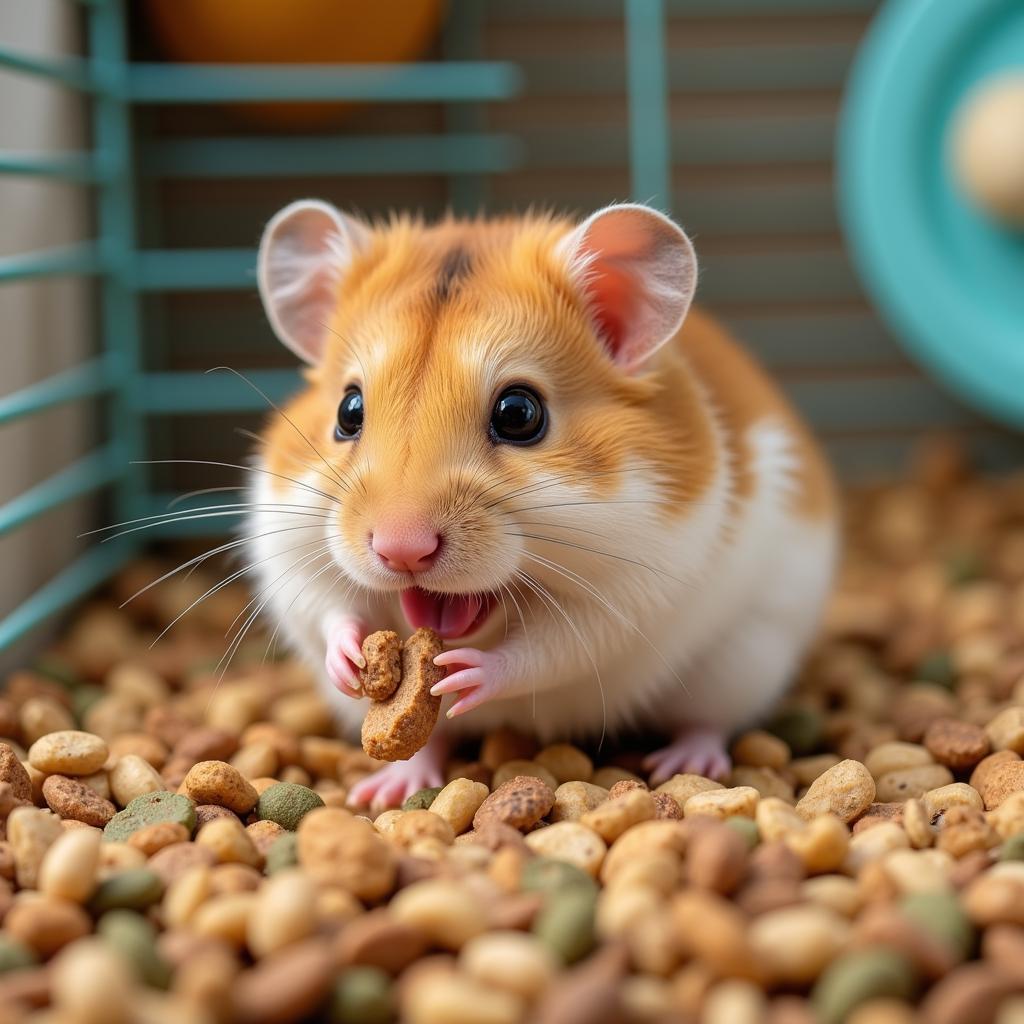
[518, 433]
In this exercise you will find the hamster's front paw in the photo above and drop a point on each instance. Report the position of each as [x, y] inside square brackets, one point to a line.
[697, 749]
[344, 658]
[478, 675]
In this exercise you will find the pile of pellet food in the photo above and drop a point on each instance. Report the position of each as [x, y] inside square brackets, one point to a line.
[177, 850]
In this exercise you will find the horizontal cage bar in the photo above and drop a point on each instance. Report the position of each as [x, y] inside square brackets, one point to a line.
[60, 261]
[86, 573]
[192, 392]
[85, 381]
[271, 156]
[81, 168]
[72, 72]
[89, 473]
[469, 81]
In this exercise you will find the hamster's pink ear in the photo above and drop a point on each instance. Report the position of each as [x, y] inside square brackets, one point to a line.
[304, 251]
[638, 271]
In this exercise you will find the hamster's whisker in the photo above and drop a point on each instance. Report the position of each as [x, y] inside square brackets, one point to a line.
[598, 501]
[237, 574]
[252, 436]
[331, 474]
[529, 641]
[281, 618]
[209, 512]
[236, 642]
[542, 592]
[202, 490]
[232, 465]
[605, 554]
[552, 481]
[586, 585]
[252, 600]
[194, 563]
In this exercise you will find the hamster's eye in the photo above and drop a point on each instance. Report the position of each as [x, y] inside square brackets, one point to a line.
[350, 415]
[518, 417]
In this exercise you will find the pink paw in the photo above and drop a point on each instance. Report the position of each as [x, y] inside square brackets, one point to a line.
[345, 655]
[474, 674]
[392, 785]
[699, 751]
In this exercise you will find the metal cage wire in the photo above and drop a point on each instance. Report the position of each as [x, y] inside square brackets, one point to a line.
[123, 272]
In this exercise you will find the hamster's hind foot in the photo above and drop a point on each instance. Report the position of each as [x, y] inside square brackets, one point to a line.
[391, 785]
[696, 749]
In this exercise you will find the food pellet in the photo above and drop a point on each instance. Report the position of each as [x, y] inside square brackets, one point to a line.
[862, 862]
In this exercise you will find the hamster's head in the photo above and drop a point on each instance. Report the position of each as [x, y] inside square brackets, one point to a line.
[486, 418]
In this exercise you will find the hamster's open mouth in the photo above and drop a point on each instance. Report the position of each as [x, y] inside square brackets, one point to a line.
[450, 615]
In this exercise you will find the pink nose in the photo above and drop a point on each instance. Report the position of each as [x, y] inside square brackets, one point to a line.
[405, 549]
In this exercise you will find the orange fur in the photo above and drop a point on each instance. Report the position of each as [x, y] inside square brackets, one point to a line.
[431, 365]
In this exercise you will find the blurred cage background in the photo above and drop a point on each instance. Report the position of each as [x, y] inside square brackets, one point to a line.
[133, 189]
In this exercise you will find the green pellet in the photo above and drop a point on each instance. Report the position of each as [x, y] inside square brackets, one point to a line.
[362, 995]
[800, 727]
[283, 853]
[135, 938]
[857, 977]
[547, 875]
[565, 923]
[936, 667]
[287, 803]
[747, 828]
[134, 889]
[13, 955]
[422, 799]
[150, 809]
[940, 914]
[1013, 848]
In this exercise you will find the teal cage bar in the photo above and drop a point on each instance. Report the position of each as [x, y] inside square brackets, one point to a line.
[124, 272]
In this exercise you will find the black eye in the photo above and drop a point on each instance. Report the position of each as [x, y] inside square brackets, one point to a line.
[518, 417]
[350, 415]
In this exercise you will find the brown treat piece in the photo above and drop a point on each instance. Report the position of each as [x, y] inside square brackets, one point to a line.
[8, 801]
[877, 813]
[969, 995]
[494, 835]
[1003, 945]
[383, 654]
[70, 798]
[207, 744]
[394, 729]
[515, 911]
[717, 859]
[286, 986]
[521, 802]
[210, 812]
[263, 834]
[216, 782]
[956, 744]
[624, 786]
[1000, 781]
[153, 838]
[505, 744]
[171, 862]
[377, 940]
[666, 807]
[13, 772]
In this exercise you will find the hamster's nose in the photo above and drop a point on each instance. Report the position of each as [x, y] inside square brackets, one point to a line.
[406, 549]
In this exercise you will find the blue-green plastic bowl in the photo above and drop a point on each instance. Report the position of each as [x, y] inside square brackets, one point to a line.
[949, 280]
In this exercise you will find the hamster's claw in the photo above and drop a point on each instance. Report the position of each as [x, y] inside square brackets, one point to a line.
[697, 749]
[391, 785]
[475, 674]
[345, 656]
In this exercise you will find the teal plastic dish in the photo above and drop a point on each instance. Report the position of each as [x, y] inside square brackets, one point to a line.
[949, 281]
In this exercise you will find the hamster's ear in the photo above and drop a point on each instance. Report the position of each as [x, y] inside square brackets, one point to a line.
[638, 271]
[303, 252]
